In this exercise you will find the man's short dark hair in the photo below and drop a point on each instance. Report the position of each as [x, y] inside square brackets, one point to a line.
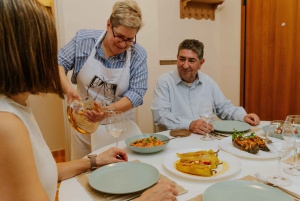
[194, 45]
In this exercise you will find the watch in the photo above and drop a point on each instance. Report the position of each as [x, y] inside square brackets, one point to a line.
[92, 157]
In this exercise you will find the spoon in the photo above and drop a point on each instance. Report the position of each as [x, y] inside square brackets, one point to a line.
[170, 139]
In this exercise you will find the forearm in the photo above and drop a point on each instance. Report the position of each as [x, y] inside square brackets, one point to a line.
[123, 105]
[170, 120]
[70, 169]
[66, 85]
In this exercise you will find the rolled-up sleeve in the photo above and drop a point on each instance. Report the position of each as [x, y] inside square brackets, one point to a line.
[138, 83]
[66, 55]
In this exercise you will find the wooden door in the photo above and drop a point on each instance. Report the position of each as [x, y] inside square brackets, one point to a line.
[271, 58]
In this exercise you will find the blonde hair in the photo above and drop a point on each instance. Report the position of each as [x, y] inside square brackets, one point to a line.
[126, 13]
[28, 46]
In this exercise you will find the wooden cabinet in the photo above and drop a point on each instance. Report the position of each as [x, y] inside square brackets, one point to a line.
[270, 55]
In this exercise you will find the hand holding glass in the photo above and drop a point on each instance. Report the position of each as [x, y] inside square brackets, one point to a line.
[207, 112]
[115, 124]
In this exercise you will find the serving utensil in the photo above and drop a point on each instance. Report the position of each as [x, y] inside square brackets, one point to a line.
[264, 181]
[170, 139]
[221, 134]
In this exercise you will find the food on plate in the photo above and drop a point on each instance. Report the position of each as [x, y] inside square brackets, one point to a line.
[147, 142]
[200, 163]
[251, 143]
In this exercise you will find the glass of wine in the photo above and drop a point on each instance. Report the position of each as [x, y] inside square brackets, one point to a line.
[280, 147]
[115, 124]
[207, 112]
[295, 121]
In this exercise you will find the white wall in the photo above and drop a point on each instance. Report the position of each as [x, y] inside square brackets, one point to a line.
[161, 35]
[48, 113]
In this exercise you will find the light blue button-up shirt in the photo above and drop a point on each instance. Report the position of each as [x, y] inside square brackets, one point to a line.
[176, 104]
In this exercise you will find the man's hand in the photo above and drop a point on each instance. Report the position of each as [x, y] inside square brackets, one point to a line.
[163, 191]
[252, 119]
[199, 126]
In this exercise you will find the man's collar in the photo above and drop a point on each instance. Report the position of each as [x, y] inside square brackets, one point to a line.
[178, 78]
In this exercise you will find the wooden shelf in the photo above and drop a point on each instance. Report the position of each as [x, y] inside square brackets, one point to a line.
[199, 9]
[48, 4]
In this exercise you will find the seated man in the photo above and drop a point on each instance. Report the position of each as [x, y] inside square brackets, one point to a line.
[178, 94]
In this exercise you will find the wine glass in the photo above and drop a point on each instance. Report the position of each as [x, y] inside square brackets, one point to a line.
[295, 120]
[107, 105]
[207, 112]
[280, 147]
[115, 124]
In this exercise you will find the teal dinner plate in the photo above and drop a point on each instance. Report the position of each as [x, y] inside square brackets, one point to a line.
[237, 190]
[124, 177]
[146, 150]
[227, 126]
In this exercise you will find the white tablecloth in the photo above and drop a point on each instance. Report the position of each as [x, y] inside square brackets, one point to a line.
[71, 189]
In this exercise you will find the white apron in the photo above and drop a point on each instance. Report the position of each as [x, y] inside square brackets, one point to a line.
[100, 83]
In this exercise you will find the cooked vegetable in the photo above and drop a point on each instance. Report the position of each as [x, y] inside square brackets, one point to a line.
[207, 157]
[199, 163]
[251, 143]
[195, 169]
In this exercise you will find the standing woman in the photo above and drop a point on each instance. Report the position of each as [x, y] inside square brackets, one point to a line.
[107, 65]
[28, 65]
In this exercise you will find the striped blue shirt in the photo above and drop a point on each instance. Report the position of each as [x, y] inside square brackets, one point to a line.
[74, 54]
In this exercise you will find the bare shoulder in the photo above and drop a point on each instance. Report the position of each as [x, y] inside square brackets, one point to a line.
[10, 122]
[12, 128]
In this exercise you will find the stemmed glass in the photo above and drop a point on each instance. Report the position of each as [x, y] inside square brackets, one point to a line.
[115, 124]
[207, 112]
[280, 147]
[295, 121]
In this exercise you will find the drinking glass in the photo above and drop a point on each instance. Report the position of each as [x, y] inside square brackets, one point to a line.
[280, 147]
[207, 112]
[115, 124]
[295, 121]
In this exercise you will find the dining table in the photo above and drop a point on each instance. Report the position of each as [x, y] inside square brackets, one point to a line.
[71, 189]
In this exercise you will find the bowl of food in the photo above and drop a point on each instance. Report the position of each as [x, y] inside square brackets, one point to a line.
[147, 143]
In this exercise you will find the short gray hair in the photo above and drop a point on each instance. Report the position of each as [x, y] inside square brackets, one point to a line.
[194, 45]
[126, 13]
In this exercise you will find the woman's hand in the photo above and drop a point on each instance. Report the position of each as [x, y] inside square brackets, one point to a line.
[162, 191]
[95, 115]
[112, 155]
[72, 94]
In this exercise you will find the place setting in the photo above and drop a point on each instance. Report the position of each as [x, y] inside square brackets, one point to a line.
[122, 181]
[215, 167]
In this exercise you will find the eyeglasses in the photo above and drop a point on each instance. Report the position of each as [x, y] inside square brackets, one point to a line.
[121, 39]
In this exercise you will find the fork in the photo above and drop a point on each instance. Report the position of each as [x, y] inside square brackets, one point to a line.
[170, 139]
[264, 181]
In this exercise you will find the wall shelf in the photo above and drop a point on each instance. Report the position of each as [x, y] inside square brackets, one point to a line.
[199, 9]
